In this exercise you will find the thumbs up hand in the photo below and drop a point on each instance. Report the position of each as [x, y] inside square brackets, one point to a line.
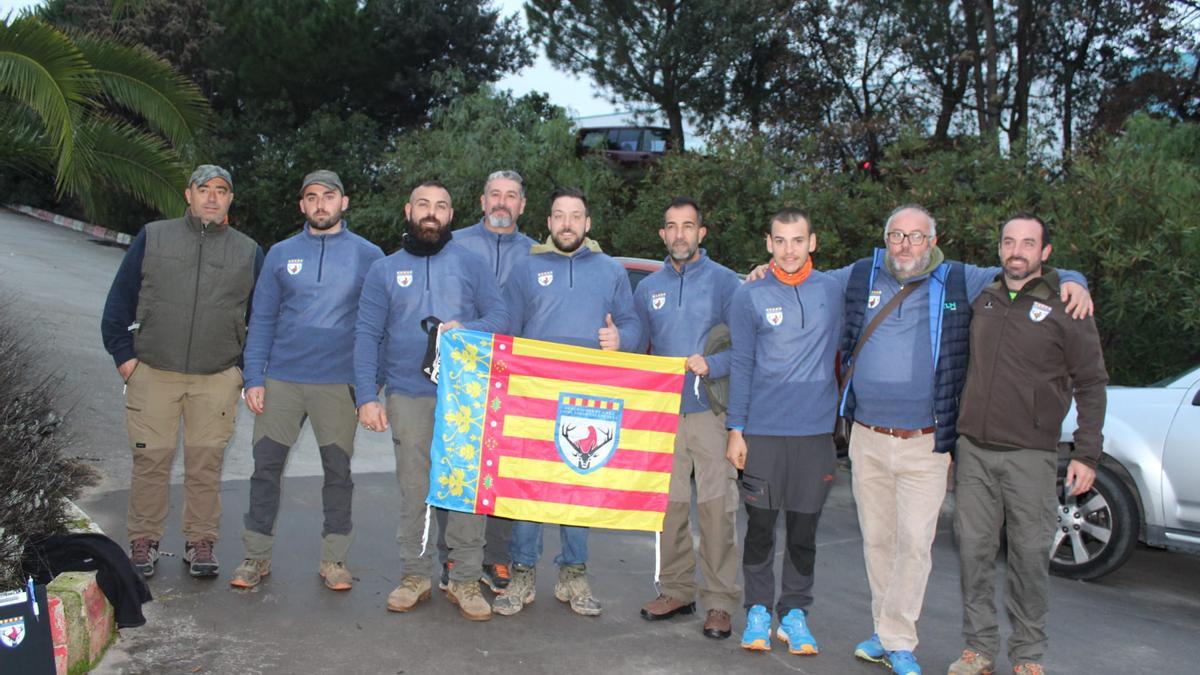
[610, 337]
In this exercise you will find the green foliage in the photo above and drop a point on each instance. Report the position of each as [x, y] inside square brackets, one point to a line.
[102, 117]
[482, 133]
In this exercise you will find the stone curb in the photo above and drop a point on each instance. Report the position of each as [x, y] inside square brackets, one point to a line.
[82, 624]
[70, 223]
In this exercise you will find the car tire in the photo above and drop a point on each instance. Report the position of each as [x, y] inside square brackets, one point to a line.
[1095, 533]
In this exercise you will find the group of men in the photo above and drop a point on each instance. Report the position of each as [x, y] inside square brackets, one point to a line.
[331, 320]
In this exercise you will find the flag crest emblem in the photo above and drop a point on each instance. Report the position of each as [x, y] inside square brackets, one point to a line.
[587, 430]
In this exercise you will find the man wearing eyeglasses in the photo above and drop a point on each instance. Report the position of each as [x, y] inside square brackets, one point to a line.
[903, 398]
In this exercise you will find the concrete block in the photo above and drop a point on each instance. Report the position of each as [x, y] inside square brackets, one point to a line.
[88, 617]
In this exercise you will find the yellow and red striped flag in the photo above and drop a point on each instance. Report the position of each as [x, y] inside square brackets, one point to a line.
[553, 433]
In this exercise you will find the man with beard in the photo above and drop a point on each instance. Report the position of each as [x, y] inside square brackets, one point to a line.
[567, 291]
[1028, 358]
[174, 322]
[494, 238]
[678, 306]
[430, 276]
[782, 398]
[903, 397]
[298, 367]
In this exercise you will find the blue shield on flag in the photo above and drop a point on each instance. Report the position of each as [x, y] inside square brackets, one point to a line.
[587, 430]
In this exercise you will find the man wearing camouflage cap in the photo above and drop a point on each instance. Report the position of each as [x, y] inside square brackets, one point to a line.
[175, 323]
[299, 365]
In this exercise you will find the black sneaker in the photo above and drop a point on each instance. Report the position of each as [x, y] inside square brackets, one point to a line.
[201, 560]
[143, 553]
[496, 577]
[444, 582]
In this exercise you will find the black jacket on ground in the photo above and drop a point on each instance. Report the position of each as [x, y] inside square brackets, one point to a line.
[123, 585]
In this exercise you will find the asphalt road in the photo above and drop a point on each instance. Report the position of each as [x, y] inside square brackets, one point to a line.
[1142, 619]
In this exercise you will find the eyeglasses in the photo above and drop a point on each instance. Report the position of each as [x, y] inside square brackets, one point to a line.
[914, 238]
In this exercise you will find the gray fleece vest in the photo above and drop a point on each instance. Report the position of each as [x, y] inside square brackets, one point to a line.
[196, 285]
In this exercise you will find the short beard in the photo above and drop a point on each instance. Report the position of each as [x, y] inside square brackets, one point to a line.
[917, 265]
[1030, 270]
[327, 223]
[574, 247]
[500, 219]
[685, 255]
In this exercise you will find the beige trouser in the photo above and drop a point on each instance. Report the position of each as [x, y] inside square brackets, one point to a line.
[899, 485]
[154, 402]
[700, 453]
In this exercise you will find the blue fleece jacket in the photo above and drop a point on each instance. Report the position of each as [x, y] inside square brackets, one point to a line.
[501, 251]
[401, 290]
[678, 308]
[893, 378]
[305, 305]
[564, 299]
[784, 343]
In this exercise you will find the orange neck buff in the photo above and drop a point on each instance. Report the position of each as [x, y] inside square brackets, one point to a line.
[795, 278]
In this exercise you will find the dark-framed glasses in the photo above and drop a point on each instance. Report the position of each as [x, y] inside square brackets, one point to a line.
[914, 238]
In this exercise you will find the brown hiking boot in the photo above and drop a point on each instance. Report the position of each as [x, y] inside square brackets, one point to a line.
[573, 588]
[143, 553]
[336, 576]
[520, 592]
[1029, 668]
[201, 560]
[665, 607]
[469, 598]
[412, 589]
[250, 573]
[972, 663]
[717, 625]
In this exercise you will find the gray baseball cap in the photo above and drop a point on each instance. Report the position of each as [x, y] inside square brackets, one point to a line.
[207, 172]
[323, 177]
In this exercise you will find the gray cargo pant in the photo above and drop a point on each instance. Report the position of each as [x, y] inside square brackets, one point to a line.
[1014, 490]
[286, 405]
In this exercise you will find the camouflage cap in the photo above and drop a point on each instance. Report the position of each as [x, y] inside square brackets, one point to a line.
[322, 177]
[207, 172]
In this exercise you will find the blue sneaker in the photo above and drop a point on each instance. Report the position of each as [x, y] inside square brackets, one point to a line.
[793, 630]
[902, 662]
[870, 649]
[757, 635]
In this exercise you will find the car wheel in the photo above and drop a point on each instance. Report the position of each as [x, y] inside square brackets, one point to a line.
[1095, 532]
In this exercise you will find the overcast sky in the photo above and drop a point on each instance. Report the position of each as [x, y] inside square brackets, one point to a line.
[565, 90]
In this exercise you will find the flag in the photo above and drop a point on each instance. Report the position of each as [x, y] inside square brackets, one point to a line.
[553, 433]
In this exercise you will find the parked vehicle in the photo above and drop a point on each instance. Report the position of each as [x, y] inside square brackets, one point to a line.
[638, 268]
[1147, 484]
[627, 146]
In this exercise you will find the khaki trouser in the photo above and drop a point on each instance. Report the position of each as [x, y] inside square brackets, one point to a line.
[700, 454]
[1013, 490]
[154, 402]
[899, 485]
[330, 409]
[411, 420]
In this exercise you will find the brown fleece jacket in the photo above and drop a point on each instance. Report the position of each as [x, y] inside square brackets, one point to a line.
[1028, 357]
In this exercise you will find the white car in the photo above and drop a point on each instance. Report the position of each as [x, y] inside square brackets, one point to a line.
[1147, 485]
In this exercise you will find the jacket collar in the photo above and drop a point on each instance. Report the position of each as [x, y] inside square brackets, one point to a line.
[687, 267]
[1043, 287]
[589, 246]
[501, 236]
[308, 233]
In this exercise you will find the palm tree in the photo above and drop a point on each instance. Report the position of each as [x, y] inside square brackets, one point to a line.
[99, 115]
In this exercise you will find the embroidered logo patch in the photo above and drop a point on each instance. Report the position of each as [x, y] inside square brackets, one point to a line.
[404, 278]
[774, 315]
[1039, 311]
[658, 300]
[873, 300]
[545, 278]
[295, 265]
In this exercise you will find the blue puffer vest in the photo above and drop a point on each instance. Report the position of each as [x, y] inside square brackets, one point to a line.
[949, 333]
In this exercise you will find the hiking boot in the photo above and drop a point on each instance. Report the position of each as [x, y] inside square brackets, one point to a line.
[496, 577]
[573, 588]
[201, 560]
[520, 592]
[336, 576]
[444, 581]
[412, 589]
[665, 607]
[902, 662]
[143, 553]
[1029, 668]
[757, 636]
[871, 650]
[250, 573]
[717, 625]
[793, 630]
[972, 663]
[469, 599]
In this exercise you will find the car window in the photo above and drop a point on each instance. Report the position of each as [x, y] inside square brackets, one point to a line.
[595, 139]
[626, 139]
[653, 141]
[636, 276]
